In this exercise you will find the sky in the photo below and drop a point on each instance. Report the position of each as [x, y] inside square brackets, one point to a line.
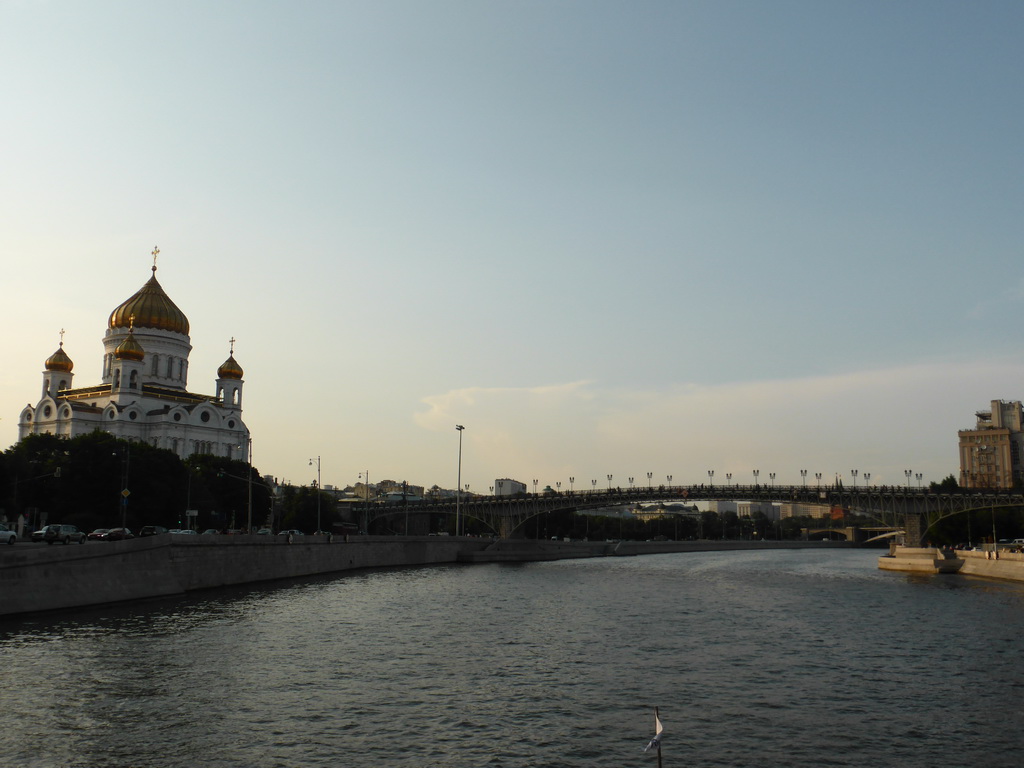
[608, 238]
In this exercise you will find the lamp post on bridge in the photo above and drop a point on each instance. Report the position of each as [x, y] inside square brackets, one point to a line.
[919, 481]
[772, 476]
[317, 493]
[649, 476]
[803, 478]
[867, 480]
[593, 486]
[854, 473]
[458, 484]
[817, 477]
[571, 481]
[728, 479]
[756, 473]
[631, 483]
[668, 478]
[609, 483]
[908, 473]
[711, 478]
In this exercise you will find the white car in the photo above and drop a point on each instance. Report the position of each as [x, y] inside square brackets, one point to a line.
[7, 536]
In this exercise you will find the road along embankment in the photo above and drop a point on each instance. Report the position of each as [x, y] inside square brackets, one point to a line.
[1001, 564]
[48, 578]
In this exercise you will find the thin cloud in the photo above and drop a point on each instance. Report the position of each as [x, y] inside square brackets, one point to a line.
[876, 421]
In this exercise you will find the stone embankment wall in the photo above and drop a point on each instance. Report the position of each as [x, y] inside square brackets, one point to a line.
[1007, 566]
[65, 576]
[47, 578]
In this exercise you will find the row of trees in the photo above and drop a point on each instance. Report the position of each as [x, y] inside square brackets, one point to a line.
[82, 481]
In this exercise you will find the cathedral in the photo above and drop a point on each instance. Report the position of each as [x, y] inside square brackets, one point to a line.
[143, 396]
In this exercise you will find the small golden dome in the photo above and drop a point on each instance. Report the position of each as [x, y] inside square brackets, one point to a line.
[151, 308]
[59, 360]
[230, 369]
[130, 349]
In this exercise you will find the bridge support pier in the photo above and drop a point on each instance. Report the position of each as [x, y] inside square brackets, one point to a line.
[913, 529]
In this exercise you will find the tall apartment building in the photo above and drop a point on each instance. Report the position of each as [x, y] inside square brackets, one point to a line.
[990, 454]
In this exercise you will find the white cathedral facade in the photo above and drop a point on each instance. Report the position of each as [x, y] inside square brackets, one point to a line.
[143, 396]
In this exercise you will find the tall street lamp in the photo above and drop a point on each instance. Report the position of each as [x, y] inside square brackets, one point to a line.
[311, 462]
[248, 514]
[908, 473]
[458, 485]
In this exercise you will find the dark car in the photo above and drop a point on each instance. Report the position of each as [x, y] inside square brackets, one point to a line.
[118, 534]
[152, 530]
[99, 534]
[63, 533]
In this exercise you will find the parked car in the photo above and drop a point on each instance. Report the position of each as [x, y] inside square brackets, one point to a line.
[7, 535]
[152, 530]
[264, 532]
[291, 532]
[210, 531]
[63, 533]
[99, 534]
[184, 532]
[118, 534]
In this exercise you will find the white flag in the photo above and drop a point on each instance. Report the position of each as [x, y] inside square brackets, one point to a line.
[655, 743]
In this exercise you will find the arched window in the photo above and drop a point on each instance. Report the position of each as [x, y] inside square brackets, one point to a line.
[117, 379]
[133, 381]
[155, 370]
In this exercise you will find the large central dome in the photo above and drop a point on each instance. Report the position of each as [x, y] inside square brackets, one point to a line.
[150, 307]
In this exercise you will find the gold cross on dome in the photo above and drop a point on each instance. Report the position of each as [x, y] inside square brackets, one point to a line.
[154, 254]
[62, 337]
[232, 340]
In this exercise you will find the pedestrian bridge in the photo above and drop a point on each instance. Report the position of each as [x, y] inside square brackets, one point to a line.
[914, 510]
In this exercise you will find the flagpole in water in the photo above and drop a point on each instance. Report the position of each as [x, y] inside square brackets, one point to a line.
[657, 728]
[656, 741]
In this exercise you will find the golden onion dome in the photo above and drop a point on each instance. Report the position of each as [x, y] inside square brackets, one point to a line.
[151, 308]
[230, 369]
[59, 360]
[130, 349]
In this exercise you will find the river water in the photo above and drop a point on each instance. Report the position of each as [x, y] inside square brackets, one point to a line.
[770, 658]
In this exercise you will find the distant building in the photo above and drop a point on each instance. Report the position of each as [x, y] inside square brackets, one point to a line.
[721, 505]
[143, 393]
[505, 486]
[788, 510]
[990, 454]
[751, 508]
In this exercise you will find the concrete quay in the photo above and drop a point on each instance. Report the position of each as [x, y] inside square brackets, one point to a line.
[61, 576]
[1002, 564]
